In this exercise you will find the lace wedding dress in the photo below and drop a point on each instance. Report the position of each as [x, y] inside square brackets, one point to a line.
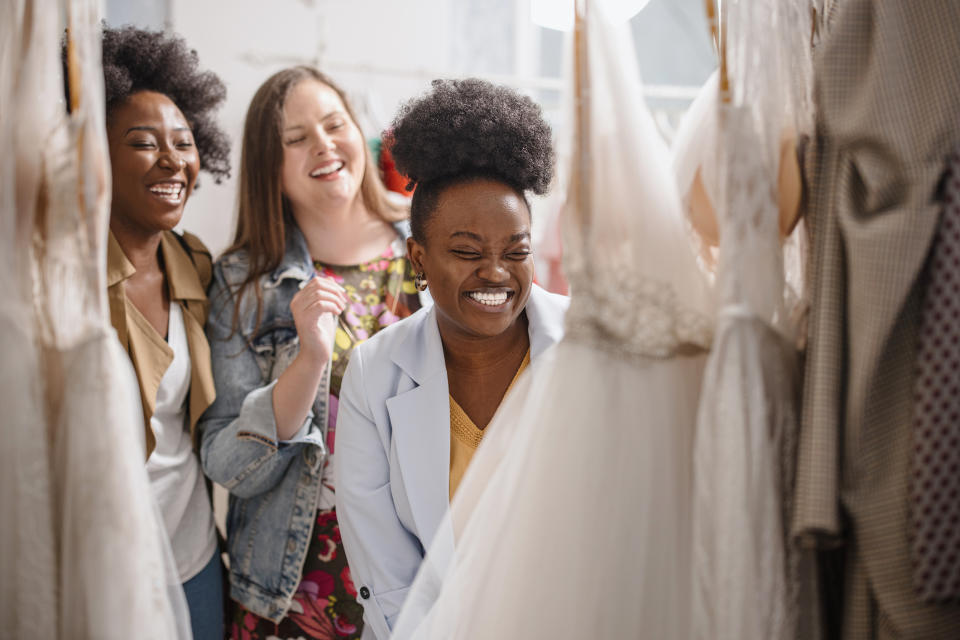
[746, 574]
[573, 520]
[83, 553]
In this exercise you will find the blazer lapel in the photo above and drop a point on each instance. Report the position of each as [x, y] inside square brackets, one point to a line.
[420, 416]
[545, 317]
[420, 419]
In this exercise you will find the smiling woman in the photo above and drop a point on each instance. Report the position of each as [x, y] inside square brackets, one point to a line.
[161, 133]
[317, 266]
[155, 164]
[477, 296]
[417, 397]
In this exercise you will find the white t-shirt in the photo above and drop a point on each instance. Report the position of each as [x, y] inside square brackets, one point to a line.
[173, 467]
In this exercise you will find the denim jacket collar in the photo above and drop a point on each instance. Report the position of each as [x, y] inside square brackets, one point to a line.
[296, 262]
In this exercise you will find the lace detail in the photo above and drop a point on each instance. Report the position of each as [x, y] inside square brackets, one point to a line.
[746, 578]
[635, 315]
[636, 285]
[751, 263]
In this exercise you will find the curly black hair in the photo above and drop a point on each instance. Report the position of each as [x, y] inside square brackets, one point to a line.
[466, 129]
[140, 60]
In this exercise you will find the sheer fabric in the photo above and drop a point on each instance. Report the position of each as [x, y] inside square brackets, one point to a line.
[573, 520]
[745, 574]
[83, 553]
[28, 561]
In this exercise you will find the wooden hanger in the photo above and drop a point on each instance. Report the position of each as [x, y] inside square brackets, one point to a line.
[789, 181]
[579, 193]
[717, 19]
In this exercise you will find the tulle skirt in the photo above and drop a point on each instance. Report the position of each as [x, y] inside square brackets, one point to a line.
[574, 519]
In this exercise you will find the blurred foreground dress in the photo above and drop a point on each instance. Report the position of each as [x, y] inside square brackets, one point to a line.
[573, 520]
[82, 549]
[747, 574]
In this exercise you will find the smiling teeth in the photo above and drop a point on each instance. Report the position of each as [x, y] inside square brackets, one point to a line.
[490, 299]
[167, 190]
[325, 171]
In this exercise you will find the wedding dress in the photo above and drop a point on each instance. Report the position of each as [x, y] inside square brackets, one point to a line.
[83, 553]
[573, 520]
[746, 574]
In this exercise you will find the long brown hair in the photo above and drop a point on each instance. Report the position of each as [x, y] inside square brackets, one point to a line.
[264, 212]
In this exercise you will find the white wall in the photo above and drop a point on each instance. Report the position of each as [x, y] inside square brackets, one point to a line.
[244, 41]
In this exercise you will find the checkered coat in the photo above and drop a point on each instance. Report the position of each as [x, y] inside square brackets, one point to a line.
[887, 92]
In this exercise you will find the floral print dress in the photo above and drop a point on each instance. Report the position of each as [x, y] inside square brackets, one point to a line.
[381, 292]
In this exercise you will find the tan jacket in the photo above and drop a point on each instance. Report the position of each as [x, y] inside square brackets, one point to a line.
[188, 268]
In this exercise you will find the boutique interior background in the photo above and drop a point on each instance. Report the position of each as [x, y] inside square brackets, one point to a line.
[383, 52]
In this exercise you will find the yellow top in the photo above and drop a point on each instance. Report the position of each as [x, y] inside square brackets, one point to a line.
[465, 437]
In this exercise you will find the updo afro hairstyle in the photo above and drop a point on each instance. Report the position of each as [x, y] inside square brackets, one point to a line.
[140, 60]
[467, 129]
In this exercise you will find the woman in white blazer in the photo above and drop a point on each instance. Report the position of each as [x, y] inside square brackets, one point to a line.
[417, 396]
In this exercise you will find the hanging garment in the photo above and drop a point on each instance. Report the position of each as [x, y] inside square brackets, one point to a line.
[746, 574]
[28, 554]
[747, 416]
[935, 478]
[82, 553]
[887, 97]
[573, 520]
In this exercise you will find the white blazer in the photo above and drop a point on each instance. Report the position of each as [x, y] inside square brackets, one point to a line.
[392, 453]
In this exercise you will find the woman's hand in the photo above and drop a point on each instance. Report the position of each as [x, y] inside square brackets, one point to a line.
[315, 309]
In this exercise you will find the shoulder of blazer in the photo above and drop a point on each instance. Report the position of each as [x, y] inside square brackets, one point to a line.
[386, 341]
[411, 346]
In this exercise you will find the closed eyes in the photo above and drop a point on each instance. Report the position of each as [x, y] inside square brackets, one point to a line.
[149, 144]
[517, 256]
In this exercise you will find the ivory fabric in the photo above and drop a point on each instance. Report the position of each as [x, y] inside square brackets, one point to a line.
[82, 550]
[574, 518]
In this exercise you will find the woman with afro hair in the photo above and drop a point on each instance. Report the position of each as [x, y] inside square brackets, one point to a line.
[317, 266]
[417, 397]
[161, 132]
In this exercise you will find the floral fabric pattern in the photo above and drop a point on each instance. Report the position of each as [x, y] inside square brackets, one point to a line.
[381, 292]
[325, 607]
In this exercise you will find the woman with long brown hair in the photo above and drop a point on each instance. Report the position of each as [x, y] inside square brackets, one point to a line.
[317, 266]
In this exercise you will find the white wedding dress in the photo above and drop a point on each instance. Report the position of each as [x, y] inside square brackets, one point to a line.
[746, 572]
[574, 518]
[83, 551]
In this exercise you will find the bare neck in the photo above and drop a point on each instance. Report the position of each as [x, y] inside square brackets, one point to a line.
[345, 235]
[473, 357]
[141, 249]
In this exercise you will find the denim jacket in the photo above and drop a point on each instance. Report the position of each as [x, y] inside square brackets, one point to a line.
[274, 486]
